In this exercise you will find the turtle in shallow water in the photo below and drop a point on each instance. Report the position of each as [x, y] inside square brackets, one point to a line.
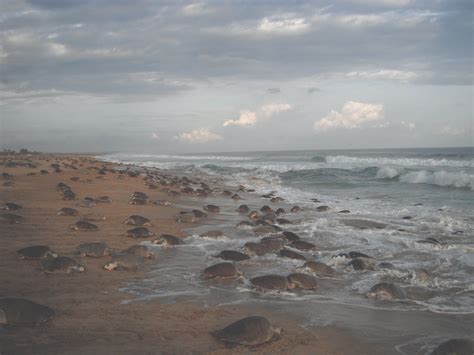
[84, 226]
[10, 206]
[36, 252]
[168, 240]
[248, 331]
[22, 312]
[302, 245]
[199, 213]
[290, 254]
[94, 250]
[270, 283]
[243, 209]
[10, 218]
[139, 250]
[67, 211]
[215, 234]
[223, 270]
[212, 208]
[232, 255]
[186, 218]
[61, 264]
[272, 244]
[319, 268]
[455, 347]
[290, 236]
[386, 291]
[139, 232]
[255, 248]
[125, 262]
[302, 281]
[136, 220]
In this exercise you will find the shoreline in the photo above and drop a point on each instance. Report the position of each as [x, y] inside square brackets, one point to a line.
[90, 313]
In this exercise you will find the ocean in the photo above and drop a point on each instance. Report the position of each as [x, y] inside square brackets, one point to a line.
[424, 197]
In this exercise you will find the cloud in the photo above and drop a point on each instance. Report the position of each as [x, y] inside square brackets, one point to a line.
[155, 136]
[384, 74]
[451, 131]
[353, 115]
[246, 118]
[410, 125]
[201, 135]
[273, 90]
[313, 90]
[196, 9]
[250, 118]
[283, 24]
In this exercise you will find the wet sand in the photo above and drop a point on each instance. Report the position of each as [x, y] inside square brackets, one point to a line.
[92, 315]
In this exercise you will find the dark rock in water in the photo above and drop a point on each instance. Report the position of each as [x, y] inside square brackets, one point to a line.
[250, 331]
[22, 312]
[344, 211]
[232, 255]
[212, 208]
[10, 206]
[290, 236]
[407, 217]
[285, 253]
[243, 209]
[270, 283]
[363, 224]
[455, 347]
[322, 208]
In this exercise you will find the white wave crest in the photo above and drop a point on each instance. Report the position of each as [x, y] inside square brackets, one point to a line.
[439, 178]
[343, 159]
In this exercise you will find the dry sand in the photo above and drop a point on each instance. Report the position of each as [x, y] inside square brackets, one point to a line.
[91, 316]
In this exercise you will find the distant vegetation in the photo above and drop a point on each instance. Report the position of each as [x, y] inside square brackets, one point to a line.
[22, 151]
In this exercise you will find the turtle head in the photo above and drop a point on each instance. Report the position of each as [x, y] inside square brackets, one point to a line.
[159, 241]
[291, 284]
[51, 254]
[110, 266]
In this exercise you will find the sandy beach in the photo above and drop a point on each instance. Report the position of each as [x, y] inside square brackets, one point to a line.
[92, 315]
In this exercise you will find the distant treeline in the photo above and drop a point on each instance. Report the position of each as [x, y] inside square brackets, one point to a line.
[22, 151]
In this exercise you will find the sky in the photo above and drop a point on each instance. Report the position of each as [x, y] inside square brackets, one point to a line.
[214, 76]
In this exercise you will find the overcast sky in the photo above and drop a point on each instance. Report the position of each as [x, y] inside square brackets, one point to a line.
[178, 76]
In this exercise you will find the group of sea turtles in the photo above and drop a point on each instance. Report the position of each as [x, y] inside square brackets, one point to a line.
[266, 223]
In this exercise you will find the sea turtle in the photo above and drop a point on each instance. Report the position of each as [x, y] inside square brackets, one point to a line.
[363, 224]
[22, 312]
[295, 209]
[455, 347]
[67, 211]
[253, 215]
[272, 244]
[270, 283]
[199, 213]
[302, 245]
[255, 248]
[236, 197]
[125, 262]
[290, 254]
[103, 199]
[139, 195]
[36, 252]
[223, 270]
[232, 255]
[61, 186]
[168, 240]
[280, 211]
[136, 220]
[93, 217]
[69, 195]
[10, 218]
[283, 221]
[137, 201]
[186, 218]
[10, 206]
[61, 264]
[319, 268]
[290, 236]
[94, 250]
[215, 234]
[362, 264]
[212, 208]
[277, 199]
[245, 225]
[84, 226]
[248, 331]
[266, 209]
[322, 208]
[243, 209]
[265, 229]
[302, 281]
[139, 250]
[386, 291]
[139, 232]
